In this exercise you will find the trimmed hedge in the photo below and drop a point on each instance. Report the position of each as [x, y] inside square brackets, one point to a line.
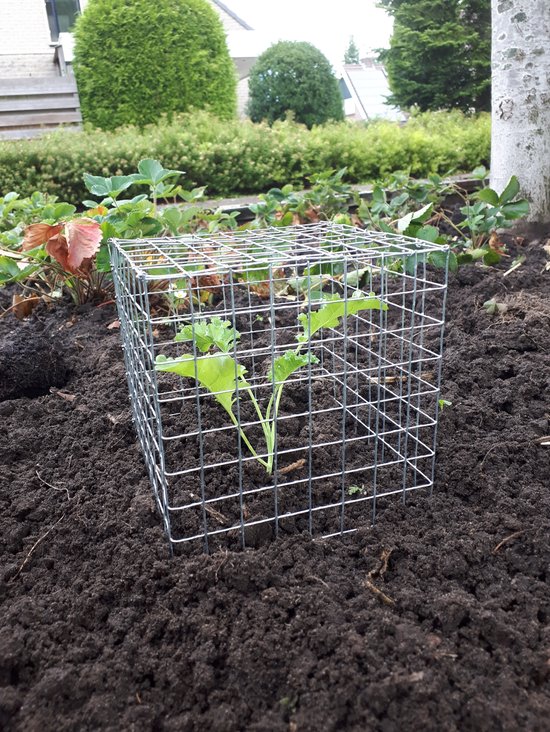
[136, 60]
[294, 76]
[239, 157]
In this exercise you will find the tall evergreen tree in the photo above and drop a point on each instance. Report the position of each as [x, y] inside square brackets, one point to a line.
[351, 55]
[440, 54]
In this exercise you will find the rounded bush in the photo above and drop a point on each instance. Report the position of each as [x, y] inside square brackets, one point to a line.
[138, 59]
[296, 77]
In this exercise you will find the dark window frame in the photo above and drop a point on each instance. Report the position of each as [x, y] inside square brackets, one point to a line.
[53, 17]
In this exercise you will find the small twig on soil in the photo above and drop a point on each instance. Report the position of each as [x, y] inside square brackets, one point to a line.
[107, 302]
[318, 579]
[212, 511]
[379, 572]
[45, 482]
[17, 304]
[508, 539]
[537, 440]
[293, 466]
[33, 547]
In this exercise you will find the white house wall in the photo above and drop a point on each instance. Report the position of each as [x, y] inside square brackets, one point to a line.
[25, 40]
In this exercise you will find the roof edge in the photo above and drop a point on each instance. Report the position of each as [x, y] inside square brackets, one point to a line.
[235, 17]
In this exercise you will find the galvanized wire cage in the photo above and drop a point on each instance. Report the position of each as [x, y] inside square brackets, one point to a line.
[282, 379]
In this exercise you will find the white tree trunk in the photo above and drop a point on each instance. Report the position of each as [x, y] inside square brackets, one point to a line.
[520, 141]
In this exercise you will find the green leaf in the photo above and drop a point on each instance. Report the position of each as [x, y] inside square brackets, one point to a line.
[63, 209]
[151, 171]
[515, 210]
[480, 172]
[217, 332]
[428, 233]
[510, 192]
[102, 259]
[438, 259]
[217, 373]
[172, 218]
[330, 315]
[419, 216]
[288, 363]
[488, 195]
[100, 186]
[491, 257]
[8, 267]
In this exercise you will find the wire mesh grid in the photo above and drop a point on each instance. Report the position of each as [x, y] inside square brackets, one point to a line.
[281, 379]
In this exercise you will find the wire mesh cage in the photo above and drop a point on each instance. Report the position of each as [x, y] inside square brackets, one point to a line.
[282, 379]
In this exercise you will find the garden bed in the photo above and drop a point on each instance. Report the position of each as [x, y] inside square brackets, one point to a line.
[437, 618]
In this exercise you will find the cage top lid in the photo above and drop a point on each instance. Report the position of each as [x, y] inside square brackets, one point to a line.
[303, 244]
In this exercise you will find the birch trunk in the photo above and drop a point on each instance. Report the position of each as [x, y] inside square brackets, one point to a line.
[520, 142]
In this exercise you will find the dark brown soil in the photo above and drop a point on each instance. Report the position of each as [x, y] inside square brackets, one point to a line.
[438, 618]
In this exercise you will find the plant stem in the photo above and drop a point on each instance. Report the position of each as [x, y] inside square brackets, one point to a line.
[247, 441]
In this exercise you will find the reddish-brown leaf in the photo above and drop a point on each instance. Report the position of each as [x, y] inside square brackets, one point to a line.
[58, 249]
[38, 234]
[83, 240]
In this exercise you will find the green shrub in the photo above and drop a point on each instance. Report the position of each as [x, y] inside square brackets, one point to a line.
[238, 157]
[294, 76]
[136, 60]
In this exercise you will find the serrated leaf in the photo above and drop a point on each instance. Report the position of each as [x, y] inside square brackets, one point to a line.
[218, 374]
[491, 257]
[516, 210]
[217, 333]
[480, 172]
[288, 363]
[428, 233]
[151, 171]
[418, 216]
[488, 195]
[330, 315]
[511, 190]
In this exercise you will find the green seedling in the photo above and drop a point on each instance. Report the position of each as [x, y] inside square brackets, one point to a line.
[444, 403]
[356, 490]
[219, 372]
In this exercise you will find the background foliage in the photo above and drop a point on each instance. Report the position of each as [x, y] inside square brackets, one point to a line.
[294, 76]
[135, 61]
[440, 54]
[232, 157]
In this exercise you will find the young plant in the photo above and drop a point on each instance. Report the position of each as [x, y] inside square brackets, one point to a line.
[220, 372]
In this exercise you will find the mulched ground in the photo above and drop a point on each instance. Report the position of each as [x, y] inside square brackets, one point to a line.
[438, 618]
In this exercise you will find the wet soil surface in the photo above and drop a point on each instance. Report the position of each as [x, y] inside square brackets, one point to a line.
[438, 618]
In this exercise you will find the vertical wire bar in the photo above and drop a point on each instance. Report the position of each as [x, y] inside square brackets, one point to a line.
[310, 409]
[238, 413]
[273, 384]
[356, 360]
[401, 357]
[381, 337]
[439, 368]
[149, 340]
[409, 378]
[419, 369]
[199, 418]
[344, 393]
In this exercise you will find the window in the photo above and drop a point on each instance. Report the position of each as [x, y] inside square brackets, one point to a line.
[61, 15]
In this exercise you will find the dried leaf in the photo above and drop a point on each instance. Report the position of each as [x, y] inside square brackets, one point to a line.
[58, 249]
[38, 234]
[115, 324]
[23, 306]
[83, 240]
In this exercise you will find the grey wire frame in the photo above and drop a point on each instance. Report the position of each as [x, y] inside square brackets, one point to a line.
[369, 406]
